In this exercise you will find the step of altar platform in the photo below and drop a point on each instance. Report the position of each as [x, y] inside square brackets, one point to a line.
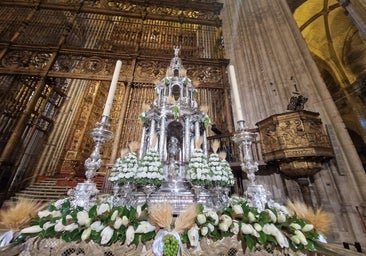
[48, 189]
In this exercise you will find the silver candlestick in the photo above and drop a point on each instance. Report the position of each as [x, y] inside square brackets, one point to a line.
[84, 194]
[256, 194]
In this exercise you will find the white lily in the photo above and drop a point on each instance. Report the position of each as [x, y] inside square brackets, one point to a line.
[97, 226]
[83, 218]
[144, 227]
[103, 208]
[86, 234]
[193, 236]
[31, 230]
[106, 235]
[238, 209]
[201, 218]
[307, 228]
[130, 235]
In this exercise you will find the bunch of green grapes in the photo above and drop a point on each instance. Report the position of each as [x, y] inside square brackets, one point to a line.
[171, 245]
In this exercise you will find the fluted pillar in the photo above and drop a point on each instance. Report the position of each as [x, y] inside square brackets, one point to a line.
[272, 61]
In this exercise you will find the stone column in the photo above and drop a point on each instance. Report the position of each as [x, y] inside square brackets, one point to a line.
[263, 41]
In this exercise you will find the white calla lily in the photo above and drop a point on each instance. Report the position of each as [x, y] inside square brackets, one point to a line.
[114, 215]
[301, 236]
[211, 227]
[144, 227]
[235, 227]
[118, 223]
[103, 208]
[257, 227]
[307, 228]
[97, 226]
[44, 213]
[130, 235]
[271, 215]
[246, 228]
[86, 234]
[106, 235]
[59, 226]
[125, 221]
[251, 217]
[31, 229]
[71, 227]
[47, 225]
[295, 226]
[295, 239]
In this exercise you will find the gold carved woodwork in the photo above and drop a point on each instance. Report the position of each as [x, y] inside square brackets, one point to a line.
[296, 141]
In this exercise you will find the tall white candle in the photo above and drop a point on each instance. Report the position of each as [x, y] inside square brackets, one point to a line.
[112, 89]
[235, 93]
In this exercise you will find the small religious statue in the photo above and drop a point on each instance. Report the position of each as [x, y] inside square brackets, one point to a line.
[173, 151]
[297, 103]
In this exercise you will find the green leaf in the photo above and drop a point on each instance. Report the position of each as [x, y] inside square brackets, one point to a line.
[71, 236]
[147, 237]
[311, 246]
[249, 241]
[271, 239]
[93, 212]
[95, 236]
[262, 239]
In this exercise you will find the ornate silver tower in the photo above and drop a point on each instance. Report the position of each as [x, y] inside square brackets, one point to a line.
[176, 121]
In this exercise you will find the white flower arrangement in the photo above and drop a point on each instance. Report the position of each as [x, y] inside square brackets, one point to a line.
[124, 169]
[199, 172]
[150, 170]
[221, 172]
[105, 225]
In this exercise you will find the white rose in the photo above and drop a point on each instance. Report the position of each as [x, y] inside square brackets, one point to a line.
[83, 218]
[201, 218]
[238, 209]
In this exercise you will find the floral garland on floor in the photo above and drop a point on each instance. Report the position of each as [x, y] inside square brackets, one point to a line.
[107, 225]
